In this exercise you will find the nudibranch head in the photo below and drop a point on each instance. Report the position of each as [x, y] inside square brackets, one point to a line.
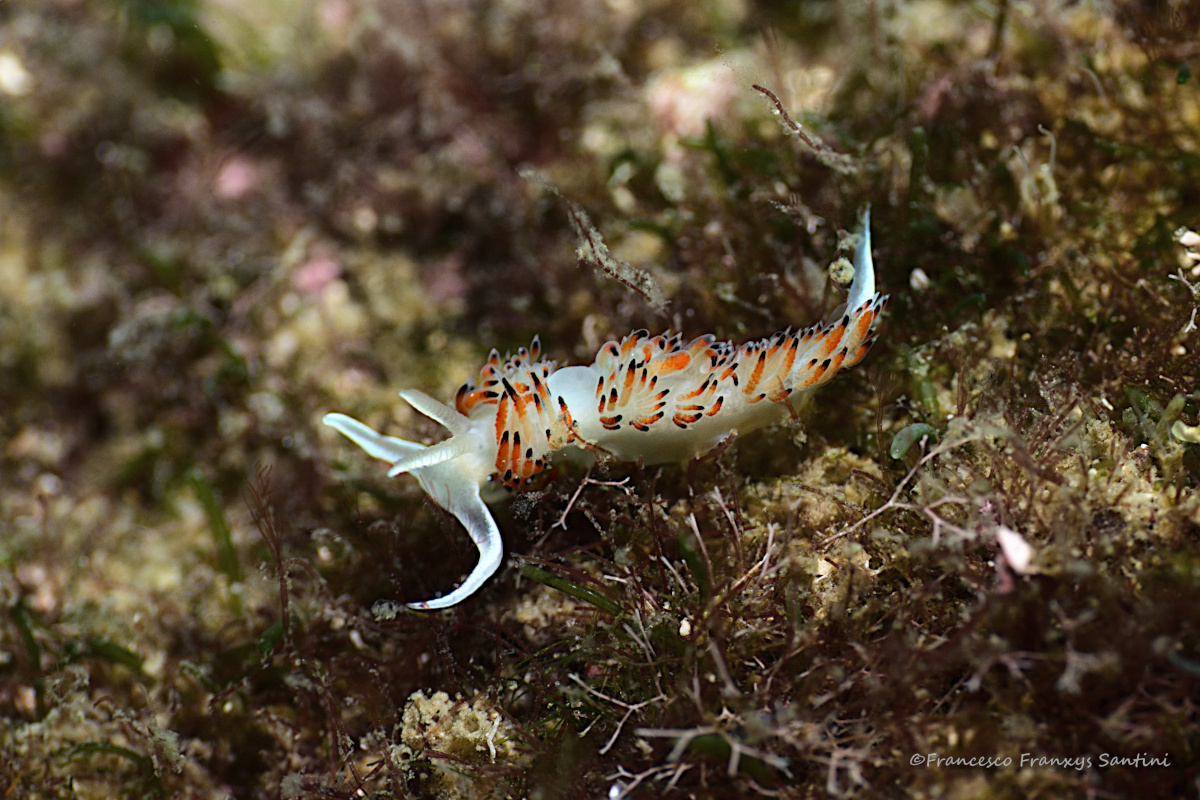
[452, 473]
[513, 394]
[646, 398]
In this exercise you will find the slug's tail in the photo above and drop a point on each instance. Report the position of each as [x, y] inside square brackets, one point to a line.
[863, 286]
[864, 305]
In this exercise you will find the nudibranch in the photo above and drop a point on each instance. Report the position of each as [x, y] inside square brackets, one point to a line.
[653, 399]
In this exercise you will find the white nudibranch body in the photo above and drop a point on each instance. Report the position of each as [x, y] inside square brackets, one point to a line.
[650, 398]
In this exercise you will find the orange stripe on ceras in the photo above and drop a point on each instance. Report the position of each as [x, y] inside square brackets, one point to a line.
[631, 341]
[757, 373]
[568, 420]
[507, 443]
[817, 371]
[518, 398]
[789, 358]
[780, 358]
[523, 457]
[768, 361]
[503, 452]
[501, 416]
[836, 364]
[831, 340]
[630, 375]
[674, 363]
[863, 324]
[469, 396]
[514, 454]
[540, 395]
[606, 397]
[705, 387]
[858, 354]
[644, 423]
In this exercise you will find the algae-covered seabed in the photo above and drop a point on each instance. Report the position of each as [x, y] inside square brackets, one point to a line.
[219, 221]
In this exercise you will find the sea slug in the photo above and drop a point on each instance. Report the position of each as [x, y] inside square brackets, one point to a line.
[646, 398]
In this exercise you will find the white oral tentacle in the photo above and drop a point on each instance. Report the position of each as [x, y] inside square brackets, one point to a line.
[385, 448]
[436, 410]
[428, 457]
[463, 501]
[455, 487]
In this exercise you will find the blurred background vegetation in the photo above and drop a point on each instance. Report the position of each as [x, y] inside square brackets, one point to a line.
[220, 220]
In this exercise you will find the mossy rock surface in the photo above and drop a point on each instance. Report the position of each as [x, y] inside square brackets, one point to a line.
[971, 569]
